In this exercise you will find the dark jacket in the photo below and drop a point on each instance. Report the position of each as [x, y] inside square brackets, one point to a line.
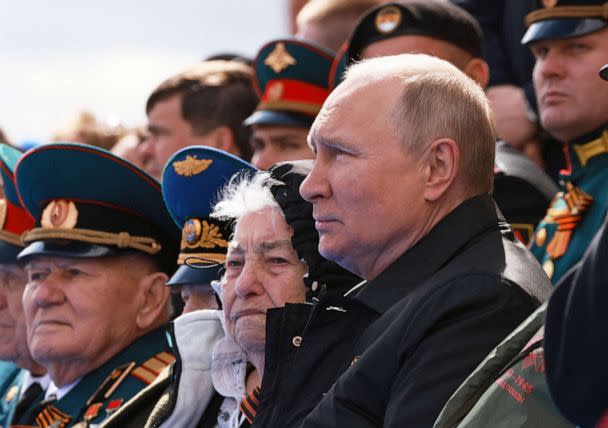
[410, 336]
[575, 337]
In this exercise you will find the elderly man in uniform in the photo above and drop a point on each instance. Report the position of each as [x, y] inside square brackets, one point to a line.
[183, 396]
[97, 262]
[569, 40]
[23, 383]
[291, 77]
[521, 189]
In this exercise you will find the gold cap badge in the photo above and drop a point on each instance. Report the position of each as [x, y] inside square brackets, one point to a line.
[60, 214]
[275, 91]
[191, 166]
[279, 59]
[388, 19]
[197, 234]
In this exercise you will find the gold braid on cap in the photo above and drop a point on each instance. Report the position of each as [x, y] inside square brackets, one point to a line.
[567, 12]
[11, 238]
[121, 239]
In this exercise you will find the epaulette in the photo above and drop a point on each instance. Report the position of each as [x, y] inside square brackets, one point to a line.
[151, 368]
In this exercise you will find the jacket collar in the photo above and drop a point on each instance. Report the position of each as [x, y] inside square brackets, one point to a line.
[470, 219]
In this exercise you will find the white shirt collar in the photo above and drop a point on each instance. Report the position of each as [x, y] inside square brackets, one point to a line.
[30, 379]
[59, 392]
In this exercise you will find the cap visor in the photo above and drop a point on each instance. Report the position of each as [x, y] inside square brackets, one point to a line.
[604, 72]
[187, 275]
[562, 29]
[66, 249]
[271, 117]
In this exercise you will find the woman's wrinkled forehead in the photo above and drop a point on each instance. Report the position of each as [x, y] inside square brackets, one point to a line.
[261, 230]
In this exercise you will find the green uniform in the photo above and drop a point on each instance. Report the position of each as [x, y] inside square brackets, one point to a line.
[103, 391]
[576, 213]
[508, 389]
[11, 377]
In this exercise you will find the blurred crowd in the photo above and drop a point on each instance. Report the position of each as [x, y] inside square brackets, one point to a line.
[393, 216]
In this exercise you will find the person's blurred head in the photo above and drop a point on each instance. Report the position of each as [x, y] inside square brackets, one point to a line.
[291, 78]
[399, 144]
[127, 147]
[569, 41]
[205, 105]
[433, 27]
[85, 128]
[329, 22]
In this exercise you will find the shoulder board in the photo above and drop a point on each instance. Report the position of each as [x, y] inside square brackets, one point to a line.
[150, 369]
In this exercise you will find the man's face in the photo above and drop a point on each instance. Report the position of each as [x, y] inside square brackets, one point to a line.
[572, 99]
[80, 309]
[168, 133]
[13, 343]
[263, 271]
[365, 188]
[420, 45]
[273, 144]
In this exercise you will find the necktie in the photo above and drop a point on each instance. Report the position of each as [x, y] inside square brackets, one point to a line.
[29, 397]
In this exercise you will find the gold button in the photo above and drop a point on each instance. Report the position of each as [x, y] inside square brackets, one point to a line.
[297, 341]
[549, 268]
[541, 237]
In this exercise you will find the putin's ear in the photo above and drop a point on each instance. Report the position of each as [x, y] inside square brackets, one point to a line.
[478, 70]
[443, 157]
[154, 300]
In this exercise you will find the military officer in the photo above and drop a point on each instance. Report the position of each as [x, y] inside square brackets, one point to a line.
[291, 77]
[191, 181]
[23, 381]
[521, 189]
[96, 303]
[569, 39]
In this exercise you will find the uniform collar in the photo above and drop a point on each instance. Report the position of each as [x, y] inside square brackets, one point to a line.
[582, 149]
[470, 219]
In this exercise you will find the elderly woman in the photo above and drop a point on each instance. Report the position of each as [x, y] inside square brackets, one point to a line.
[272, 261]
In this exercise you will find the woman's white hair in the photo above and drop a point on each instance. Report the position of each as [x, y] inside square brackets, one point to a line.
[245, 194]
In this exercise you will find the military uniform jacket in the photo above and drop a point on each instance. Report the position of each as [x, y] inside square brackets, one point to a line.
[102, 391]
[578, 210]
[509, 388]
[11, 378]
[410, 336]
[521, 189]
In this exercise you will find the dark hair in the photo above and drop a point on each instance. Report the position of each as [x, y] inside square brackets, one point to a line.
[213, 94]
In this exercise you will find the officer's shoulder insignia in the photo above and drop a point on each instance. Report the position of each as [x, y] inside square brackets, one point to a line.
[388, 19]
[279, 59]
[52, 417]
[60, 214]
[111, 383]
[549, 3]
[191, 166]
[151, 368]
[11, 393]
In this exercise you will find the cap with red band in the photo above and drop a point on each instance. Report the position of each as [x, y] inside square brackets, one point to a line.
[292, 81]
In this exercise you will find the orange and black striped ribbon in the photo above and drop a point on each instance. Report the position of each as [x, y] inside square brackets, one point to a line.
[249, 405]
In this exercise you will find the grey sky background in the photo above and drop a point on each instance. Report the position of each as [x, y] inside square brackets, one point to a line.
[61, 56]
